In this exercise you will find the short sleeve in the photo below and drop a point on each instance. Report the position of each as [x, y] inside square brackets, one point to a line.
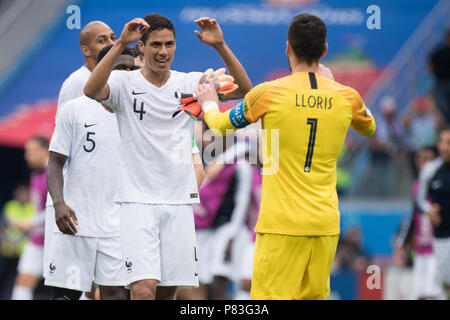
[61, 141]
[115, 81]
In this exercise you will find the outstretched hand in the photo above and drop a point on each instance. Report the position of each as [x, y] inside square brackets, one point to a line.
[133, 30]
[211, 32]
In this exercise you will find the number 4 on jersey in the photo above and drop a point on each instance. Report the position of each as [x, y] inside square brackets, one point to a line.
[140, 111]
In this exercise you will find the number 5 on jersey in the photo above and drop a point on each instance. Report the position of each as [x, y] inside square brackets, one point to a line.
[91, 145]
[140, 111]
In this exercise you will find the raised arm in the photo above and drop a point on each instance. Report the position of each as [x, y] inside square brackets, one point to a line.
[212, 35]
[97, 87]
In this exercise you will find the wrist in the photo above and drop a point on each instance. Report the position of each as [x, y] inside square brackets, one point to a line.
[121, 43]
[58, 202]
[209, 105]
[220, 45]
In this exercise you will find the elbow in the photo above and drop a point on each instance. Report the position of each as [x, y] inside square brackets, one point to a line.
[88, 92]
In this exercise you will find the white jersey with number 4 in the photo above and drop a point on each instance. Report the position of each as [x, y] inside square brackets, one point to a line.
[157, 149]
[88, 135]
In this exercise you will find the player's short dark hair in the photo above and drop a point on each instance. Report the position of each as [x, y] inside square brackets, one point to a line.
[106, 49]
[157, 22]
[307, 36]
[41, 140]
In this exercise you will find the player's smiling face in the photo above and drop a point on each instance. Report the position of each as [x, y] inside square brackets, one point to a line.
[159, 50]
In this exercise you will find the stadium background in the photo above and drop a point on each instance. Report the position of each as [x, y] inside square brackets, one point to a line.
[39, 51]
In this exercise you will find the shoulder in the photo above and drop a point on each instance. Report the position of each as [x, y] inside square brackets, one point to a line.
[71, 107]
[186, 76]
[80, 75]
[430, 168]
[258, 91]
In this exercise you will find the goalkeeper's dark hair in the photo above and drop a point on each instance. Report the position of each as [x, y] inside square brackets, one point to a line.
[157, 22]
[106, 49]
[307, 36]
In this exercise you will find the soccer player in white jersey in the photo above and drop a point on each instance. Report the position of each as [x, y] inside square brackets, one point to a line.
[158, 185]
[87, 243]
[94, 36]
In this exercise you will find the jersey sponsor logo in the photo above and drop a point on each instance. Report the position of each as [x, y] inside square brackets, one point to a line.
[89, 125]
[134, 93]
[314, 101]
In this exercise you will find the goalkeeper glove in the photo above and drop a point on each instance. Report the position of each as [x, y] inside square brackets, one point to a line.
[223, 83]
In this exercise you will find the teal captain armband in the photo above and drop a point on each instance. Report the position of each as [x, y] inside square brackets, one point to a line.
[237, 117]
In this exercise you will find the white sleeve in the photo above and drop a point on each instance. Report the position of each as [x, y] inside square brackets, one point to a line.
[115, 82]
[425, 176]
[61, 141]
[242, 198]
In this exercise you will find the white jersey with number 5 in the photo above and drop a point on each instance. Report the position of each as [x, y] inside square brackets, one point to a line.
[88, 135]
[157, 149]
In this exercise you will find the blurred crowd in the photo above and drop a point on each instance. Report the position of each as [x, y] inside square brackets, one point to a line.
[401, 132]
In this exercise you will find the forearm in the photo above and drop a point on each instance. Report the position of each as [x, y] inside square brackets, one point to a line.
[219, 122]
[199, 170]
[96, 87]
[236, 70]
[55, 180]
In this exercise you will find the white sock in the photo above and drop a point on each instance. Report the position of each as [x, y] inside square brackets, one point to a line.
[84, 297]
[21, 293]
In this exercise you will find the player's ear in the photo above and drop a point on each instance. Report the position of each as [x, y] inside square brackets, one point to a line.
[288, 48]
[325, 50]
[141, 46]
[85, 50]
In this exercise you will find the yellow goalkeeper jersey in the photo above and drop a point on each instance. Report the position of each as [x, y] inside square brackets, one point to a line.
[306, 118]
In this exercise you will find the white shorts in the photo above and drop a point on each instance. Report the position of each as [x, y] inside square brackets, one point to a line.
[441, 248]
[424, 276]
[76, 261]
[48, 236]
[31, 260]
[212, 246]
[158, 242]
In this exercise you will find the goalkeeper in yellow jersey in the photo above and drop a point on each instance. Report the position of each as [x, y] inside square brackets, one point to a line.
[307, 114]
